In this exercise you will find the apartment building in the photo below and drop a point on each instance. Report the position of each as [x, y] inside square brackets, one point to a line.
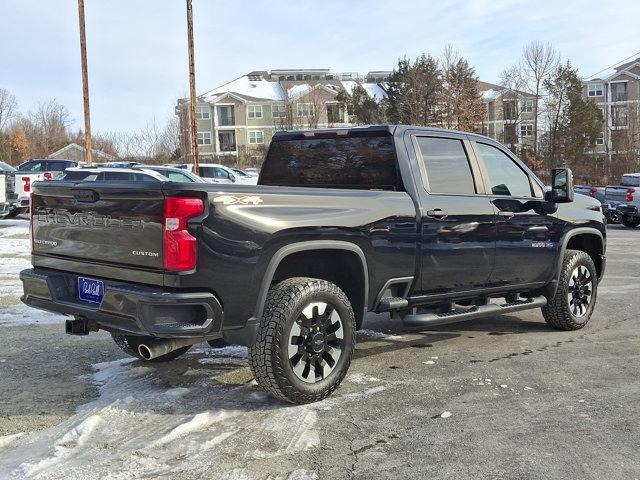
[616, 92]
[243, 114]
[509, 118]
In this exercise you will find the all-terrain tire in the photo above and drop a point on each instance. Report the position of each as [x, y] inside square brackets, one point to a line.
[631, 222]
[558, 312]
[129, 344]
[269, 357]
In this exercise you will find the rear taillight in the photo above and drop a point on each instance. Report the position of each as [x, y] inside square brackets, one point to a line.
[180, 247]
[630, 192]
[27, 184]
[592, 192]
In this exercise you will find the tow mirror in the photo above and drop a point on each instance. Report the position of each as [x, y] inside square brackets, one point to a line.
[561, 186]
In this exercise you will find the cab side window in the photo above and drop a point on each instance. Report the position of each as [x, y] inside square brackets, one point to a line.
[505, 176]
[447, 165]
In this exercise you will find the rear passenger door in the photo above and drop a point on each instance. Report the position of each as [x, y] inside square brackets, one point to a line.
[457, 219]
[527, 240]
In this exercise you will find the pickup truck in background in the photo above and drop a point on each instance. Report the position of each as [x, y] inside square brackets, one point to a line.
[621, 203]
[33, 171]
[433, 226]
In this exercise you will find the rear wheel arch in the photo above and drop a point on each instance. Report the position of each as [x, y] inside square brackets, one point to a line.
[338, 262]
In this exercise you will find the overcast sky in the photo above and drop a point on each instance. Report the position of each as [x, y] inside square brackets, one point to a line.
[138, 58]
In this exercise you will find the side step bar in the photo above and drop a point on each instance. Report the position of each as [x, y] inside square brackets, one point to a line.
[431, 319]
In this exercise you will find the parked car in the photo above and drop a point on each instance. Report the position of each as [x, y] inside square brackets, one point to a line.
[403, 221]
[32, 171]
[7, 194]
[172, 173]
[216, 173]
[244, 177]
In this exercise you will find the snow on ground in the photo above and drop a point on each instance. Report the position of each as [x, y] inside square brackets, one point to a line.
[373, 335]
[144, 424]
[15, 256]
[20, 314]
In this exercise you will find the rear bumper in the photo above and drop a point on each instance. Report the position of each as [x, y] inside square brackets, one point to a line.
[126, 307]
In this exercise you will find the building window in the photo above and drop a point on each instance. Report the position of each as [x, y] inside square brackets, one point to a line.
[227, 140]
[527, 105]
[595, 90]
[619, 116]
[256, 137]
[600, 139]
[334, 115]
[203, 112]
[204, 138]
[254, 111]
[526, 130]
[510, 111]
[619, 92]
[306, 109]
[226, 115]
[278, 111]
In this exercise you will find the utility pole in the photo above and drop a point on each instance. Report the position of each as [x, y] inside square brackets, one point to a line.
[88, 152]
[192, 90]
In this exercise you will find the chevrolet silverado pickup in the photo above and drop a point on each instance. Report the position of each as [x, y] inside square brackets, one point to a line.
[433, 226]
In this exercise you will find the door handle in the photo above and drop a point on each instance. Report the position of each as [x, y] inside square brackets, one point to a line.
[538, 228]
[506, 215]
[379, 230]
[437, 213]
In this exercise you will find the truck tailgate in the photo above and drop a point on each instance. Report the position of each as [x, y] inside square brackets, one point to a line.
[617, 194]
[99, 223]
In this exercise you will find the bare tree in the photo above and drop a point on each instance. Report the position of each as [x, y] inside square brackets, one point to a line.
[538, 62]
[8, 106]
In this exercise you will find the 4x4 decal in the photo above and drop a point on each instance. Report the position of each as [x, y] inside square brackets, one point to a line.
[244, 200]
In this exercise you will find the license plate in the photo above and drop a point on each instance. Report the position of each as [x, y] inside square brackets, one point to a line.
[90, 290]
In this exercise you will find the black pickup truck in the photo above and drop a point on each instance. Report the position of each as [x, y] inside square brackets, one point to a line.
[434, 226]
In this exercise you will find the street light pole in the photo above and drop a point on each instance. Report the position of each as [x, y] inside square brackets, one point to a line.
[192, 90]
[88, 152]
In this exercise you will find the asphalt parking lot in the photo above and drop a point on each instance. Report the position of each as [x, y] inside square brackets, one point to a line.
[505, 397]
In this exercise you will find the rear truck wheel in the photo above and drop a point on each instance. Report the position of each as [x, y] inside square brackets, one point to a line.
[305, 340]
[630, 221]
[573, 303]
[130, 344]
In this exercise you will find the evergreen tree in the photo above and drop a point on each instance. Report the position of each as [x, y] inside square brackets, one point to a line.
[413, 91]
[574, 123]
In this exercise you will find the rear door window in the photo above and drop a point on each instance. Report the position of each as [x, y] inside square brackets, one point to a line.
[447, 165]
[367, 162]
[505, 176]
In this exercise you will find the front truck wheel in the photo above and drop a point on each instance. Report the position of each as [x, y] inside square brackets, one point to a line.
[573, 303]
[305, 340]
[130, 344]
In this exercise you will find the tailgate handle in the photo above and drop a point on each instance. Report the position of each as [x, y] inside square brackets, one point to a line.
[88, 196]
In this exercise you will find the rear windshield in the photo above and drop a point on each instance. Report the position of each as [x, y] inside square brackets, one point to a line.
[335, 162]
